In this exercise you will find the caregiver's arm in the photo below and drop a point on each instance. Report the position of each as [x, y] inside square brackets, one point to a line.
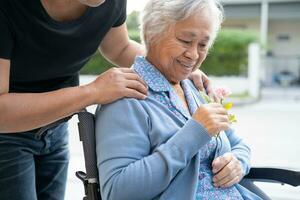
[118, 48]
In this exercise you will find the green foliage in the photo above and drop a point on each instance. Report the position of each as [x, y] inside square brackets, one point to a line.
[134, 35]
[98, 64]
[132, 21]
[229, 54]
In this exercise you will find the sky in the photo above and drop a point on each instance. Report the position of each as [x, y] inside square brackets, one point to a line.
[135, 5]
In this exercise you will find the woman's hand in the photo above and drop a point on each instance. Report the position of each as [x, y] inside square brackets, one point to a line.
[227, 170]
[117, 83]
[213, 117]
[202, 83]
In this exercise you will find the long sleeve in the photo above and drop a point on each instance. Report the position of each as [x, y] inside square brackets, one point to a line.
[240, 150]
[128, 166]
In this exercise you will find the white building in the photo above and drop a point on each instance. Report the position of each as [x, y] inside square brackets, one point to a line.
[277, 23]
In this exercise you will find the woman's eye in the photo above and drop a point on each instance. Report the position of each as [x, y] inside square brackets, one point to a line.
[185, 41]
[202, 45]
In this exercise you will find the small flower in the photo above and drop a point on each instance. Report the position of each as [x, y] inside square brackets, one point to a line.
[221, 93]
[227, 106]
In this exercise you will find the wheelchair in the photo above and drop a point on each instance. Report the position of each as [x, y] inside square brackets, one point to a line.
[86, 126]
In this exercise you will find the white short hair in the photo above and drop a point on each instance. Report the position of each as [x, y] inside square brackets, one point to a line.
[158, 15]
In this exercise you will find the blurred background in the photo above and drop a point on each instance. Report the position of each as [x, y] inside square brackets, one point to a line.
[257, 55]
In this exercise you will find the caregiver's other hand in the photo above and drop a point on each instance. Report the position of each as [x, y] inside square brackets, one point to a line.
[227, 170]
[117, 83]
[202, 83]
[213, 117]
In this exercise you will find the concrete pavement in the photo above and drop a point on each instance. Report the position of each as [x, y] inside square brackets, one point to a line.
[271, 128]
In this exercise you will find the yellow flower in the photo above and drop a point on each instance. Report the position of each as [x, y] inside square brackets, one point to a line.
[227, 105]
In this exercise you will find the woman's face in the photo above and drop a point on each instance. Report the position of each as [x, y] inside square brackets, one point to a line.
[182, 48]
[92, 3]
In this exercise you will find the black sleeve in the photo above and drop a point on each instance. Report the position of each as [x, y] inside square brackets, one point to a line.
[6, 38]
[122, 13]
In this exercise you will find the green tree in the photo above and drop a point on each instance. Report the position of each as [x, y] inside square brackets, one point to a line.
[132, 21]
[229, 54]
[98, 64]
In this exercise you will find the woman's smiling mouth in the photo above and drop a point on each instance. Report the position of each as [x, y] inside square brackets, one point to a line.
[186, 65]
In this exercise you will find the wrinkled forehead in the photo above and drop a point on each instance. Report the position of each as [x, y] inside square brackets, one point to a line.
[196, 25]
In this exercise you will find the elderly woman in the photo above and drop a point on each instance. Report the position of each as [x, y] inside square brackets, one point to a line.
[164, 147]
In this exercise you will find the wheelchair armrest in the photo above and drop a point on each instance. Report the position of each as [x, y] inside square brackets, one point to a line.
[265, 174]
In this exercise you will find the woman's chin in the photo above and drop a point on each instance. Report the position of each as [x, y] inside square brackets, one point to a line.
[186, 74]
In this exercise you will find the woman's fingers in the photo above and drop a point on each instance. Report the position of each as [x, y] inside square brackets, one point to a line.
[221, 162]
[228, 180]
[213, 117]
[225, 175]
[230, 173]
[231, 182]
[223, 118]
[218, 108]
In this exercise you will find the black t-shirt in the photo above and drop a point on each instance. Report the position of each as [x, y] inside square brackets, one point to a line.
[45, 54]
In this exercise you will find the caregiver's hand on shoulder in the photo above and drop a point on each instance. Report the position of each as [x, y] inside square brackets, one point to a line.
[227, 170]
[213, 117]
[115, 84]
[202, 83]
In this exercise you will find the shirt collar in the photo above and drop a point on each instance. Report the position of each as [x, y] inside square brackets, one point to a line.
[158, 83]
[151, 75]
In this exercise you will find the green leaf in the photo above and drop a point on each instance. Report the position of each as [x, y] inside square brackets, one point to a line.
[206, 98]
[232, 118]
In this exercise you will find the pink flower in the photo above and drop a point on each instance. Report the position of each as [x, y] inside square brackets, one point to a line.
[222, 92]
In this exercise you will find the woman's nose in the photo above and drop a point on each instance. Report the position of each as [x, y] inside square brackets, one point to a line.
[192, 53]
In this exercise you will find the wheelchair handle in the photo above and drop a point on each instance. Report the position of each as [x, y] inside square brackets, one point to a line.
[86, 126]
